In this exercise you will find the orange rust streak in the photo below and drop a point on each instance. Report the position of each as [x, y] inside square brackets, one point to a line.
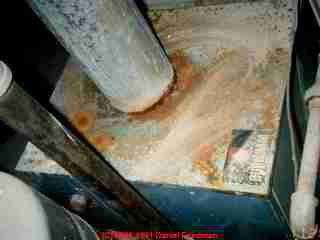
[201, 159]
[204, 152]
[83, 121]
[167, 104]
[101, 142]
[183, 70]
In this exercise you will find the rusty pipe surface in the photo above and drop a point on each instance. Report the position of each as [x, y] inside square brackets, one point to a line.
[24, 114]
[303, 202]
[115, 46]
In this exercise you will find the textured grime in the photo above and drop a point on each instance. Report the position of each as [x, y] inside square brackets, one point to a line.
[230, 74]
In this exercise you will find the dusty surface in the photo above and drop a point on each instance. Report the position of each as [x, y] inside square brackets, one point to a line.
[231, 65]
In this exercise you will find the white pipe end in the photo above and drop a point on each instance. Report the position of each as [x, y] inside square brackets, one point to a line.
[303, 215]
[5, 78]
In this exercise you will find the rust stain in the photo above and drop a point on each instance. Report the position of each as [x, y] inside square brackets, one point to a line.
[201, 159]
[83, 121]
[166, 106]
[270, 112]
[183, 70]
[101, 142]
[161, 110]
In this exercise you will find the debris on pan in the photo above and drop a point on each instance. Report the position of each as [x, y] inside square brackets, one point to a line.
[217, 125]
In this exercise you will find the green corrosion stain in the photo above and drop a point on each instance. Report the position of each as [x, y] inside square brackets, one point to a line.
[146, 129]
[120, 131]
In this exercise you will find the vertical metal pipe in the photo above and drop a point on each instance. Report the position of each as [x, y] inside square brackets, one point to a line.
[115, 45]
[25, 115]
[311, 151]
[303, 200]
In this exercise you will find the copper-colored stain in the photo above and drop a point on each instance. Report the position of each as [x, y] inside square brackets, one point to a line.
[101, 142]
[161, 110]
[269, 112]
[235, 89]
[204, 152]
[183, 70]
[166, 106]
[83, 121]
[201, 159]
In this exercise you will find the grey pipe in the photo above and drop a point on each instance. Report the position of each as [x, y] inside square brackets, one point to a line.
[27, 214]
[303, 202]
[115, 46]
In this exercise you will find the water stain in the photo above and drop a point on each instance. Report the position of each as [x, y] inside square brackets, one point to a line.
[190, 127]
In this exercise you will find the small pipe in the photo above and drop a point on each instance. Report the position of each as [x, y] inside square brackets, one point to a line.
[303, 202]
[311, 152]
